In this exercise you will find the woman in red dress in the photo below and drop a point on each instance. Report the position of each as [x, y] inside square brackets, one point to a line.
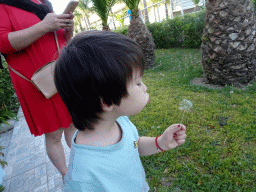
[28, 43]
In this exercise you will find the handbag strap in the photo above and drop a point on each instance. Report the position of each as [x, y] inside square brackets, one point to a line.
[22, 76]
[57, 42]
[19, 74]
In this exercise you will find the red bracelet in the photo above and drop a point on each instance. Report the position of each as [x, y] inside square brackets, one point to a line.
[157, 146]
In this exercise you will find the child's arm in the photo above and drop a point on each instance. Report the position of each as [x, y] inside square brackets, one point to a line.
[172, 137]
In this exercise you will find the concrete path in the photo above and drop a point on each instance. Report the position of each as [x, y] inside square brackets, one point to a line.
[29, 168]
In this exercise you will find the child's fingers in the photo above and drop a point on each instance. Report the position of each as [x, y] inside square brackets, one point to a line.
[181, 132]
[181, 137]
[183, 127]
[180, 142]
[174, 128]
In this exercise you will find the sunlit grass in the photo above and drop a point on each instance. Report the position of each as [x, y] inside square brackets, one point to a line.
[219, 153]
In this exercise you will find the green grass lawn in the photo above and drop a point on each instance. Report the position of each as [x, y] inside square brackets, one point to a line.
[220, 152]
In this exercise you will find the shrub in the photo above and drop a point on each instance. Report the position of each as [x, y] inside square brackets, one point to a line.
[167, 33]
[122, 30]
[6, 92]
[193, 26]
[8, 100]
[182, 31]
[1, 188]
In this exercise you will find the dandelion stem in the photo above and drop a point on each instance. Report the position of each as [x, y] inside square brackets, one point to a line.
[182, 117]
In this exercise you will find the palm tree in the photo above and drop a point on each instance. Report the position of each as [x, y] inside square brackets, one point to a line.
[120, 17]
[139, 32]
[228, 46]
[102, 9]
[146, 10]
[78, 22]
[86, 11]
[82, 13]
[166, 9]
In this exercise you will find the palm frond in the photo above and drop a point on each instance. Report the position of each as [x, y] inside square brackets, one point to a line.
[102, 8]
[84, 4]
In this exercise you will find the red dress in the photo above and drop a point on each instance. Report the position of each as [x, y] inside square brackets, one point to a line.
[42, 115]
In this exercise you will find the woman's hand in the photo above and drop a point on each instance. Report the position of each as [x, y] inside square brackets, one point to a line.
[53, 22]
[69, 28]
[70, 25]
[172, 137]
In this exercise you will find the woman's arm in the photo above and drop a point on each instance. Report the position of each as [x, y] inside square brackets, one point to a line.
[23, 38]
[52, 22]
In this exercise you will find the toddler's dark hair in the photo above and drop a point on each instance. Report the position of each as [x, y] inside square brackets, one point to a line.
[95, 66]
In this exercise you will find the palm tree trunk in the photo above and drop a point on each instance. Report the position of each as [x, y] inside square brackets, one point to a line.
[155, 13]
[139, 32]
[171, 5]
[166, 9]
[88, 21]
[113, 20]
[105, 27]
[146, 11]
[228, 46]
[86, 24]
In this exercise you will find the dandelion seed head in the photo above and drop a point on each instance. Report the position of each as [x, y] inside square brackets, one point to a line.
[185, 105]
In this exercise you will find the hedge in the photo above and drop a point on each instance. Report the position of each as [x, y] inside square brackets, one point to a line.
[182, 31]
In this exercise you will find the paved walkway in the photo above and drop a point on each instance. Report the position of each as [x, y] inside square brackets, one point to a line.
[29, 168]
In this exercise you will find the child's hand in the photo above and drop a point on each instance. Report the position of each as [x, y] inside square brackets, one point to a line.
[172, 137]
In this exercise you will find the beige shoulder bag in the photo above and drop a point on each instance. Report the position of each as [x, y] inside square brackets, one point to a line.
[43, 78]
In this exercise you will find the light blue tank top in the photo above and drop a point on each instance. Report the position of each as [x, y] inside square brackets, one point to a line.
[115, 168]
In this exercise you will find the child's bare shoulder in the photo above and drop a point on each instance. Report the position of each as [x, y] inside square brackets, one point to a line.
[82, 139]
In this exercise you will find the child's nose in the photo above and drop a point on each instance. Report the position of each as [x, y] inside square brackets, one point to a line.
[145, 87]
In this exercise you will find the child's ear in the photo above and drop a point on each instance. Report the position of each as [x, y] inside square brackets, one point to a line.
[105, 107]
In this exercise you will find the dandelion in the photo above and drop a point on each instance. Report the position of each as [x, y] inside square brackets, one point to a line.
[185, 106]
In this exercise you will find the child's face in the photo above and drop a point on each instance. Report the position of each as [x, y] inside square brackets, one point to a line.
[137, 97]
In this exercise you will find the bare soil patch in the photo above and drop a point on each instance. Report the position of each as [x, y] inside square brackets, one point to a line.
[204, 82]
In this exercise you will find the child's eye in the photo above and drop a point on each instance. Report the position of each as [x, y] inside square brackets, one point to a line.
[139, 84]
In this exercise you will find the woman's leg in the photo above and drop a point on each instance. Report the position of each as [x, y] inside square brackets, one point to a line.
[69, 132]
[55, 150]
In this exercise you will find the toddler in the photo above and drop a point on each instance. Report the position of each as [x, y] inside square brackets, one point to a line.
[99, 78]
